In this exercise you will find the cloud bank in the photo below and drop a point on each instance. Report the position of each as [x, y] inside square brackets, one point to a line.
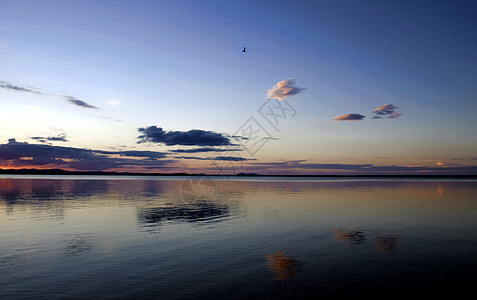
[349, 117]
[70, 99]
[283, 90]
[18, 154]
[387, 111]
[304, 167]
[194, 137]
[24, 155]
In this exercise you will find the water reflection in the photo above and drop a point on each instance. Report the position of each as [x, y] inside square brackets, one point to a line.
[282, 265]
[351, 237]
[156, 201]
[11, 263]
[46, 197]
[96, 227]
[195, 189]
[78, 244]
[198, 212]
[388, 243]
[194, 208]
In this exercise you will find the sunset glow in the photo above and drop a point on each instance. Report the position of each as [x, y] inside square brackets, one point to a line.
[164, 87]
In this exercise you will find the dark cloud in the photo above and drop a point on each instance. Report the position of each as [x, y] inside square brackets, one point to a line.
[232, 158]
[387, 111]
[8, 86]
[472, 158]
[228, 158]
[78, 102]
[203, 149]
[59, 138]
[137, 153]
[70, 99]
[24, 154]
[194, 137]
[349, 117]
[301, 164]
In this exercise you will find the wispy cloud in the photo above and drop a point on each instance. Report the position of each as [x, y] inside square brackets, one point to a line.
[304, 167]
[194, 137]
[448, 164]
[78, 102]
[349, 117]
[387, 111]
[283, 90]
[226, 158]
[203, 149]
[60, 138]
[24, 89]
[9, 86]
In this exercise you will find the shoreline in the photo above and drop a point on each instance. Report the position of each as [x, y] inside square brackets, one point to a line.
[100, 173]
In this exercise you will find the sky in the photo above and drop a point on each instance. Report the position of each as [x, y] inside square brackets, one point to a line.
[324, 87]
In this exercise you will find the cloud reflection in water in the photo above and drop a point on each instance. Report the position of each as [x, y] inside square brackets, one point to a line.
[351, 237]
[199, 212]
[282, 265]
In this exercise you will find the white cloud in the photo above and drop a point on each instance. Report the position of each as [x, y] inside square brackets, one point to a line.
[283, 90]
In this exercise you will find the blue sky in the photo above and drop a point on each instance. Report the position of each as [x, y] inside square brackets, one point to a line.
[178, 65]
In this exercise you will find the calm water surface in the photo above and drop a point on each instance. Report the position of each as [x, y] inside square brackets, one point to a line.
[176, 238]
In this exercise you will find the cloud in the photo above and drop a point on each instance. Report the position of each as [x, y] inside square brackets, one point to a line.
[8, 86]
[203, 149]
[78, 102]
[303, 167]
[194, 137]
[232, 158]
[21, 154]
[138, 153]
[283, 90]
[349, 117]
[111, 119]
[59, 138]
[226, 158]
[387, 111]
[70, 99]
[446, 164]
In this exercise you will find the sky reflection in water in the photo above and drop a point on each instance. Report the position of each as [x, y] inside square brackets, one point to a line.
[140, 237]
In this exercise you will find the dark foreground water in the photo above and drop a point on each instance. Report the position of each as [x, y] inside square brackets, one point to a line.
[276, 238]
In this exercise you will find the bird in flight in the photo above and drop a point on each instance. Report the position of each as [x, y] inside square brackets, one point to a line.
[244, 49]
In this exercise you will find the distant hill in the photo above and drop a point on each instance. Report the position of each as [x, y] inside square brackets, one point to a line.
[65, 172]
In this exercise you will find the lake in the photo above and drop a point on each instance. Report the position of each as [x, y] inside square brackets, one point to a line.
[124, 237]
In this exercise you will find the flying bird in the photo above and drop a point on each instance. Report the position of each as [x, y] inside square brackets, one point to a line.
[244, 49]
